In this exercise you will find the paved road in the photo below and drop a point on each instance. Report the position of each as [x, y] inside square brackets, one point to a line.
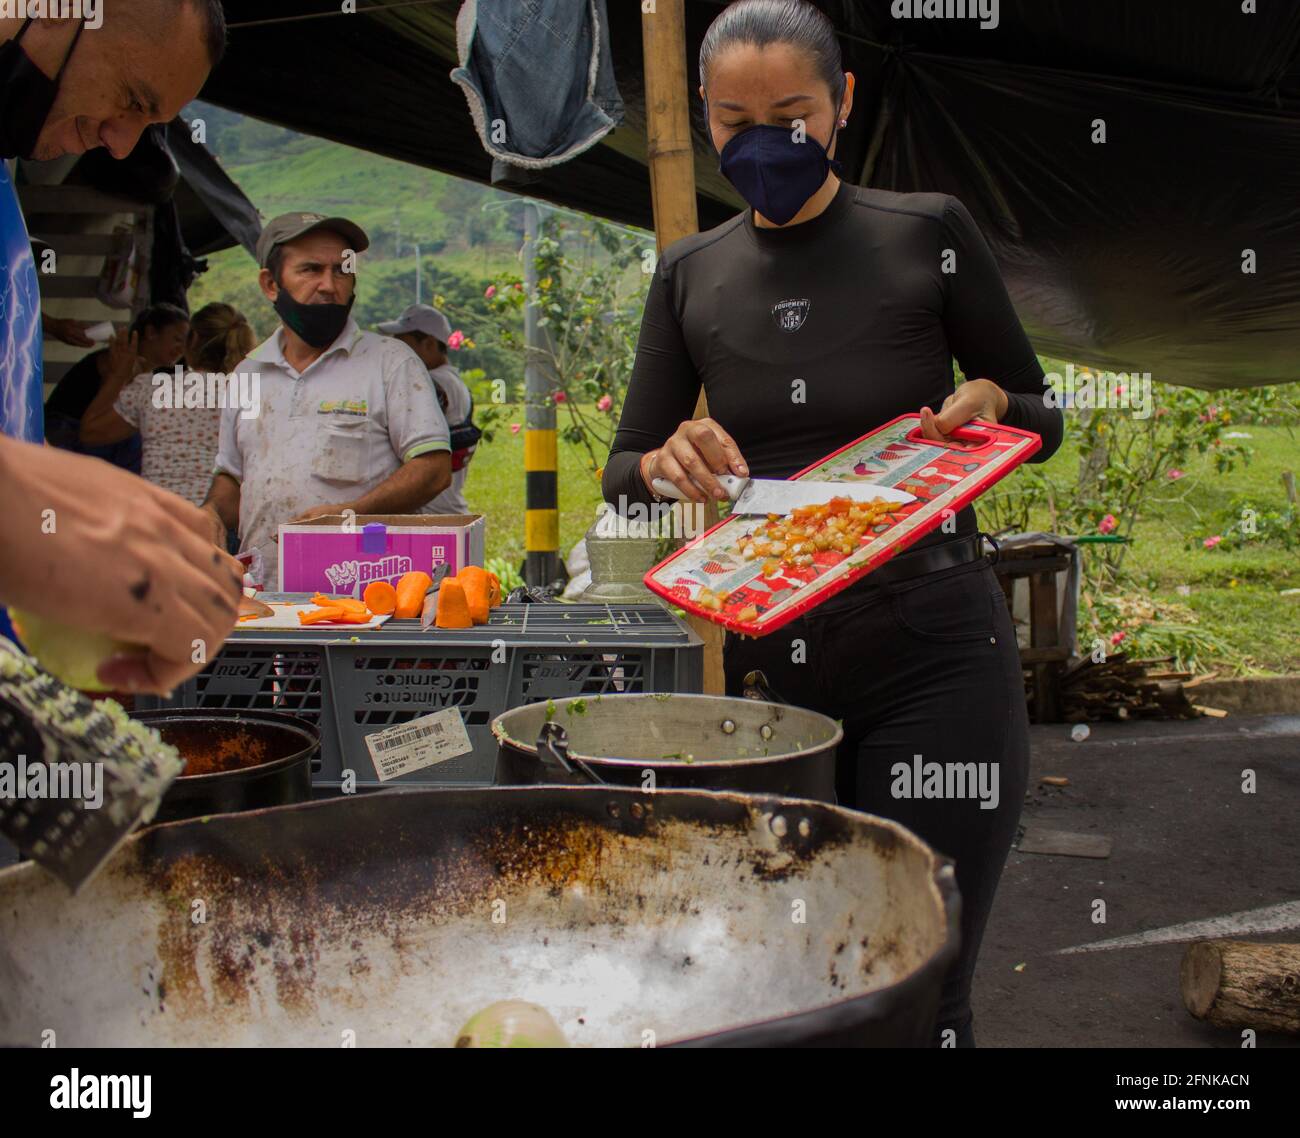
[1188, 846]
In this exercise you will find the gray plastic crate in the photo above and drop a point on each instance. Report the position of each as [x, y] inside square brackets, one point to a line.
[353, 684]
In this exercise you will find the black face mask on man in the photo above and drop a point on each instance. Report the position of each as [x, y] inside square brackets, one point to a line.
[27, 96]
[316, 324]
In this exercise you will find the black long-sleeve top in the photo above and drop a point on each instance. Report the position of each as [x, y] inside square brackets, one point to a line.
[868, 303]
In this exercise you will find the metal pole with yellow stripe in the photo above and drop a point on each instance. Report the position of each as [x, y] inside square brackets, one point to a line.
[541, 454]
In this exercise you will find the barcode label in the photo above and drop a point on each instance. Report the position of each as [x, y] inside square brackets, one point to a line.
[421, 743]
[401, 737]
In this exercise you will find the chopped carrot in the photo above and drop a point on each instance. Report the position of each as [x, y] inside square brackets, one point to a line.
[453, 606]
[320, 615]
[410, 595]
[474, 578]
[381, 598]
[347, 604]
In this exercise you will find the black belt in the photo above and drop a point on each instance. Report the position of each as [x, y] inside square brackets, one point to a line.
[918, 562]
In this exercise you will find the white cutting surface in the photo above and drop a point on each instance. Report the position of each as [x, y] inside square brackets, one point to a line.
[286, 616]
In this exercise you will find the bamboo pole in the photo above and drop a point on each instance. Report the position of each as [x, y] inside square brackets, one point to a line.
[671, 162]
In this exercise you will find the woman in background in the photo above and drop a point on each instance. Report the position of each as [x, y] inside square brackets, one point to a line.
[159, 337]
[180, 443]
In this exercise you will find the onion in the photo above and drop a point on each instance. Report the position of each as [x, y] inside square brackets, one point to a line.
[511, 1023]
[69, 654]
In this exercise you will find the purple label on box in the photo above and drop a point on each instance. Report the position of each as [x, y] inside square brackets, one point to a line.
[341, 563]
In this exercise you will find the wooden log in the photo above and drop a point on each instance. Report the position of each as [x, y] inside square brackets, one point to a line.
[1237, 984]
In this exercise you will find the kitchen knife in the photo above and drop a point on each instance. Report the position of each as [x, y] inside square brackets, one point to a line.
[780, 496]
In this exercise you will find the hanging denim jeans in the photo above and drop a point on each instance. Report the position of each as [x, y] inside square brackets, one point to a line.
[539, 80]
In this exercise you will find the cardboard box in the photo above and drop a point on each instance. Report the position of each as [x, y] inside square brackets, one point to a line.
[341, 557]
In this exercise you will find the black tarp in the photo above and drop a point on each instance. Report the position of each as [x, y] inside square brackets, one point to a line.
[198, 210]
[1126, 255]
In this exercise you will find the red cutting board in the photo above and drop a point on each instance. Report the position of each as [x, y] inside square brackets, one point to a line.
[944, 478]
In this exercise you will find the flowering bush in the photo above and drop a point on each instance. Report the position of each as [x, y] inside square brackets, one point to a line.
[590, 292]
[1246, 523]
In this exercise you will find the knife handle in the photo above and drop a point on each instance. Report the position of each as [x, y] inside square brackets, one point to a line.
[732, 484]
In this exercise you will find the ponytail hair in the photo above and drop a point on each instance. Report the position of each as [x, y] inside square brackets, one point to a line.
[222, 337]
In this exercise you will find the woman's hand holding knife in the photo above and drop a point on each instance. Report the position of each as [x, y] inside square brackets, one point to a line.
[697, 451]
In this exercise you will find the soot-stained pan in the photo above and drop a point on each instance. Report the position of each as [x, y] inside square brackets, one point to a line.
[676, 916]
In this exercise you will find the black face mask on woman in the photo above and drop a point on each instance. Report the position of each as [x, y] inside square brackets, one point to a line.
[774, 172]
[317, 324]
[27, 96]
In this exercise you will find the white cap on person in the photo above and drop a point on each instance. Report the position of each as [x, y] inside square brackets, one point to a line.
[419, 318]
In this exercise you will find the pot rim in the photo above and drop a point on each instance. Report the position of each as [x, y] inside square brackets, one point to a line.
[498, 733]
[310, 733]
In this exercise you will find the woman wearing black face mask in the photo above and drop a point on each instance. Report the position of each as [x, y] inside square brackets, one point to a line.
[845, 289]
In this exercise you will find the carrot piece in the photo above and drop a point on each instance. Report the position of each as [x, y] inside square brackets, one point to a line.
[319, 616]
[410, 595]
[347, 604]
[494, 590]
[356, 618]
[475, 580]
[453, 606]
[381, 598]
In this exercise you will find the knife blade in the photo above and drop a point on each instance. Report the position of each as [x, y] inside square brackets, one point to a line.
[780, 496]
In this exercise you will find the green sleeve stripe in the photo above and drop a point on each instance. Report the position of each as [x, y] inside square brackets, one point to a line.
[425, 448]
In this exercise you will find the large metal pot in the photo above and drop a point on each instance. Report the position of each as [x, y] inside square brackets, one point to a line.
[702, 918]
[234, 760]
[667, 740]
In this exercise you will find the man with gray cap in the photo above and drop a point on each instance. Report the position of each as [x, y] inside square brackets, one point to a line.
[426, 331]
[347, 420]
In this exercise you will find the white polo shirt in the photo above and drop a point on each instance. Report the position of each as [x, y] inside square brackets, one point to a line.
[328, 435]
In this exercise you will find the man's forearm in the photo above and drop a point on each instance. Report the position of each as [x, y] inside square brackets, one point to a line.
[411, 486]
[223, 500]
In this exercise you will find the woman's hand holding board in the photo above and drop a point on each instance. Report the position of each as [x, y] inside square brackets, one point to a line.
[974, 399]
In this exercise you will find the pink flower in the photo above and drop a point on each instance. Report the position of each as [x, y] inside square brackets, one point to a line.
[604, 403]
[560, 397]
[1107, 524]
[455, 340]
[491, 291]
[1175, 475]
[519, 288]
[1117, 638]
[1211, 542]
[514, 428]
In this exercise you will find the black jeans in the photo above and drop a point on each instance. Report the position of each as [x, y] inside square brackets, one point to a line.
[929, 667]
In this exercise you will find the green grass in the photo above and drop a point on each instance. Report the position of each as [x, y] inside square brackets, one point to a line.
[1233, 592]
[495, 489]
